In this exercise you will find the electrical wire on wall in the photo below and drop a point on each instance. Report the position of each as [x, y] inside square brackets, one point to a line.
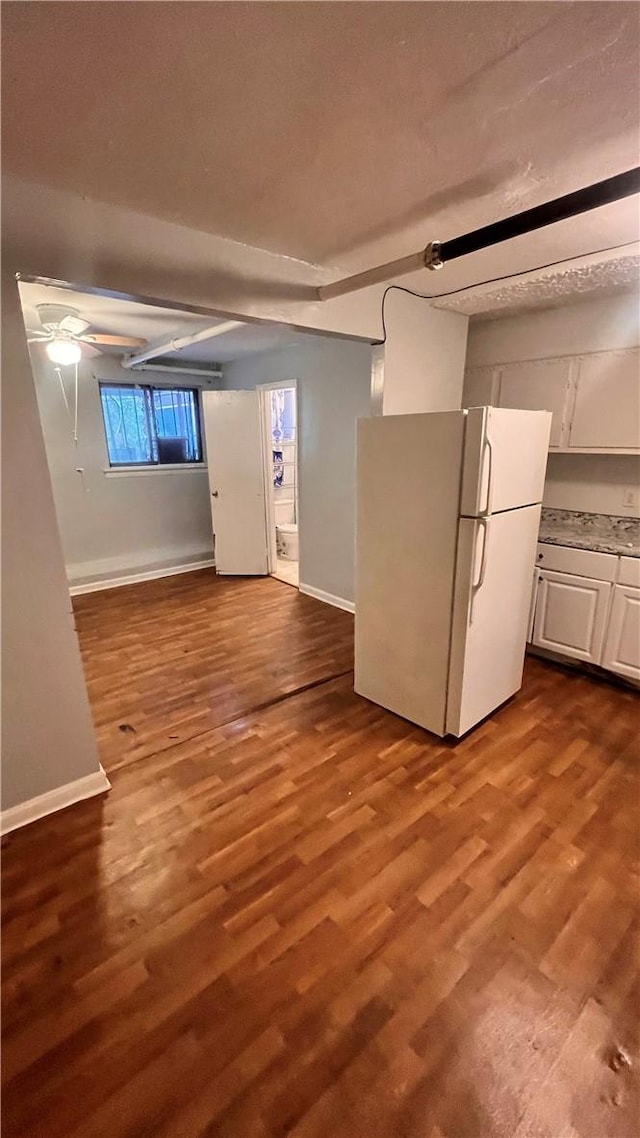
[490, 280]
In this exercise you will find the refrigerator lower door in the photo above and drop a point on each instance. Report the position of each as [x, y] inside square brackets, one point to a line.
[505, 459]
[495, 563]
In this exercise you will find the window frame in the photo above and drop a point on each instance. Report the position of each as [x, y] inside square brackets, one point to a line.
[154, 464]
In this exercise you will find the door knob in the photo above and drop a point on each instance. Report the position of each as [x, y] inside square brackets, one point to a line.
[214, 493]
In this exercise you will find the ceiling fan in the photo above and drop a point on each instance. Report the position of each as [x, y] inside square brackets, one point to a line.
[65, 333]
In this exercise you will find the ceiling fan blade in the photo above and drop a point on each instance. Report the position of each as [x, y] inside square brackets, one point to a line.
[113, 341]
[74, 325]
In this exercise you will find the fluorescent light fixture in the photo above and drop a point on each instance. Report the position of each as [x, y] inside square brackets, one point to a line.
[64, 351]
[180, 369]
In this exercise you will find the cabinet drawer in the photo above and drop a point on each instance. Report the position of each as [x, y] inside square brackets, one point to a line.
[582, 562]
[629, 571]
[570, 615]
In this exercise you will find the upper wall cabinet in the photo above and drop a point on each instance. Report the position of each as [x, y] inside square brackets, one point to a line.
[607, 403]
[543, 385]
[481, 387]
[594, 399]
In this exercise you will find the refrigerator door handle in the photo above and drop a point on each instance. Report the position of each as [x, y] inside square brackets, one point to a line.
[488, 446]
[475, 588]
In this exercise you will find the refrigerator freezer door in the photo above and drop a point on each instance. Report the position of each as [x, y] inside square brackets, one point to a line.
[409, 469]
[505, 459]
[491, 609]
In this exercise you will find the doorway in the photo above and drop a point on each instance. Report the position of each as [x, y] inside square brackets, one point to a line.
[280, 425]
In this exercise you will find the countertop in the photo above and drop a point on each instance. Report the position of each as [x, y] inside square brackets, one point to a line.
[604, 533]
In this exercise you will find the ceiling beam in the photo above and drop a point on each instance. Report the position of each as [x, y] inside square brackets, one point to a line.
[439, 253]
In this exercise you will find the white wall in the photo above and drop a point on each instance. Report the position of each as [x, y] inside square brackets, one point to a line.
[113, 525]
[334, 390]
[422, 363]
[47, 732]
[593, 483]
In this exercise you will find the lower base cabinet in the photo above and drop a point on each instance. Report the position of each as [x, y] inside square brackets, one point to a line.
[586, 605]
[621, 652]
[570, 615]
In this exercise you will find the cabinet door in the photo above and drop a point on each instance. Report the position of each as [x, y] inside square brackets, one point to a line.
[481, 387]
[622, 645]
[570, 615]
[607, 406]
[542, 386]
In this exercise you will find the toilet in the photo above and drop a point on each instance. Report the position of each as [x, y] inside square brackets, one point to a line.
[286, 530]
[287, 541]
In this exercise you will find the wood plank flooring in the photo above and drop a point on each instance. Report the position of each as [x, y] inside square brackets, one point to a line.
[297, 914]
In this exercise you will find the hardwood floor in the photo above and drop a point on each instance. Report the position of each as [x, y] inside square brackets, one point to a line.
[299, 914]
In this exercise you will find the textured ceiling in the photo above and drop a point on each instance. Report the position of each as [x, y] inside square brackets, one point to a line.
[549, 289]
[340, 133]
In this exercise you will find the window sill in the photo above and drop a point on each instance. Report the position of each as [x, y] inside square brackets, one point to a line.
[165, 468]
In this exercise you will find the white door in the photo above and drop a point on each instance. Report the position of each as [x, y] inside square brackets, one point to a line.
[541, 385]
[607, 406]
[570, 615]
[235, 457]
[490, 614]
[505, 459]
[622, 644]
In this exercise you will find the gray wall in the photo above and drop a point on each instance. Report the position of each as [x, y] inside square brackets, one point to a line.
[112, 525]
[47, 733]
[334, 389]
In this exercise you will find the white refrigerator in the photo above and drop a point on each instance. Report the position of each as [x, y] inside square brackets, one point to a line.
[448, 512]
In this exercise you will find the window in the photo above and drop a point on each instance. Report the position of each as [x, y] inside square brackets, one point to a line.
[148, 426]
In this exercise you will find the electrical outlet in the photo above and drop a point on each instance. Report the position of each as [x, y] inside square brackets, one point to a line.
[630, 498]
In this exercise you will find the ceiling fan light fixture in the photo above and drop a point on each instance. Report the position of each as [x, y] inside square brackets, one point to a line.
[62, 351]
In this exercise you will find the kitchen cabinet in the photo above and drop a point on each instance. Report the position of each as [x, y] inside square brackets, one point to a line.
[594, 399]
[539, 386]
[571, 614]
[606, 411]
[586, 605]
[481, 387]
[621, 652]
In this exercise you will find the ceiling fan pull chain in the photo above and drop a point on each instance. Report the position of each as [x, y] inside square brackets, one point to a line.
[64, 394]
[75, 416]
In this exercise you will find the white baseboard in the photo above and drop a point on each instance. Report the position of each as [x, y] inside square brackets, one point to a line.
[53, 800]
[134, 578]
[328, 598]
